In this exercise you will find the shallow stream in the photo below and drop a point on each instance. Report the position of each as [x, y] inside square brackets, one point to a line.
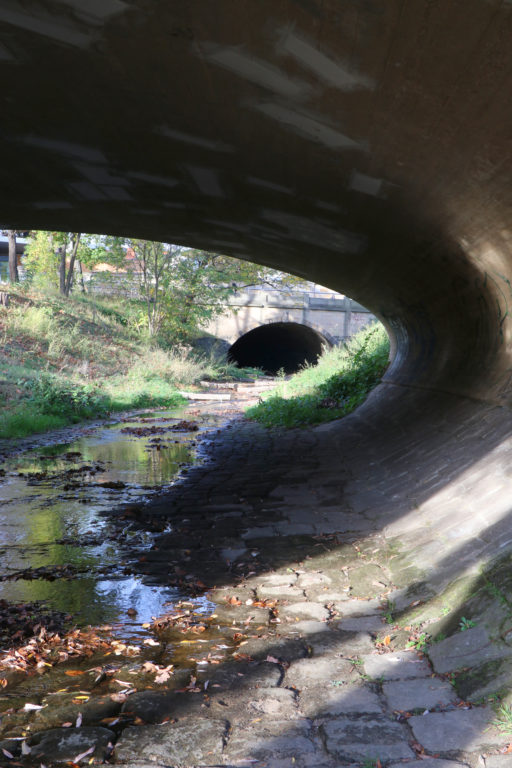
[56, 544]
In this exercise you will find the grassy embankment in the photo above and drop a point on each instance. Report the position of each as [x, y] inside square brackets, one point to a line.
[63, 361]
[335, 386]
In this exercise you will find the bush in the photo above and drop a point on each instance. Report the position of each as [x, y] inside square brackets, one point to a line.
[71, 401]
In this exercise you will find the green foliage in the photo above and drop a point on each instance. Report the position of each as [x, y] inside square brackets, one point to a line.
[503, 720]
[389, 612]
[41, 261]
[333, 388]
[466, 624]
[419, 643]
[42, 258]
[71, 400]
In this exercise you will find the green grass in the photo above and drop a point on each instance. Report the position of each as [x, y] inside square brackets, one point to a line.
[503, 720]
[340, 381]
[63, 361]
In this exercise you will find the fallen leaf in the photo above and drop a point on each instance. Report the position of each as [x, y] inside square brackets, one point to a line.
[387, 640]
[119, 698]
[163, 676]
[74, 672]
[78, 721]
[84, 754]
[7, 754]
[32, 707]
[272, 660]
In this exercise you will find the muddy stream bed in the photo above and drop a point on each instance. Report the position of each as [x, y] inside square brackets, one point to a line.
[80, 629]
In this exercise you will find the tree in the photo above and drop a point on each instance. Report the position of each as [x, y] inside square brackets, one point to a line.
[66, 268]
[51, 258]
[185, 288]
[13, 259]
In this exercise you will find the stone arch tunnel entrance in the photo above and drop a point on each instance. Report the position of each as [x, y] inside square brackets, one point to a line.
[278, 346]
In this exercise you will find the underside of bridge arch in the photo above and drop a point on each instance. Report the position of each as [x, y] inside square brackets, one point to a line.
[364, 145]
[278, 346]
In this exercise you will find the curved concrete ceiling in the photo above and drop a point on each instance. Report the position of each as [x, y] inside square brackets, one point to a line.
[365, 145]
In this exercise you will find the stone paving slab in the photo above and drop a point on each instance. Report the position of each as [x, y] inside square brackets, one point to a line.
[283, 648]
[198, 742]
[467, 649]
[270, 702]
[278, 738]
[422, 693]
[338, 642]
[306, 629]
[308, 673]
[325, 701]
[372, 738]
[305, 610]
[246, 675]
[363, 624]
[311, 579]
[327, 596]
[465, 730]
[395, 666]
[282, 592]
[355, 608]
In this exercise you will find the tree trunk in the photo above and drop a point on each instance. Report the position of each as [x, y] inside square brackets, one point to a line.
[69, 279]
[13, 260]
[82, 284]
[62, 270]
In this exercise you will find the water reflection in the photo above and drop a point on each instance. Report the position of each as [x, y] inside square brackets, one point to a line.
[51, 505]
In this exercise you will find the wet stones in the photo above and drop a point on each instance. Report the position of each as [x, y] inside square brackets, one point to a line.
[246, 675]
[61, 745]
[155, 707]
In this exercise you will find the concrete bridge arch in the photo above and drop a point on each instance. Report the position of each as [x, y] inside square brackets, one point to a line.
[230, 331]
[294, 325]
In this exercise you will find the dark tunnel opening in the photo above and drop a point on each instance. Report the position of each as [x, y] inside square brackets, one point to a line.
[277, 346]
